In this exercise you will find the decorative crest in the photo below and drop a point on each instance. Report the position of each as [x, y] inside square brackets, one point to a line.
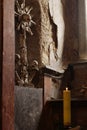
[24, 17]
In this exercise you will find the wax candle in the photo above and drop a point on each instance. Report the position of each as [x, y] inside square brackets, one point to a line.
[67, 107]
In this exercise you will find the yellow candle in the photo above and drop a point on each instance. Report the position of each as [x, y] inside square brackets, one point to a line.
[67, 107]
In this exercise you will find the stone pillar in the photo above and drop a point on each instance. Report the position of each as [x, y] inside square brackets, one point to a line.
[82, 28]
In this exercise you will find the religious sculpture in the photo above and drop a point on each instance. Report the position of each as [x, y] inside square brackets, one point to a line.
[23, 24]
[56, 13]
[49, 54]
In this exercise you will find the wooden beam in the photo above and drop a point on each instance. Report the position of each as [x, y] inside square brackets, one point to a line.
[0, 62]
[8, 66]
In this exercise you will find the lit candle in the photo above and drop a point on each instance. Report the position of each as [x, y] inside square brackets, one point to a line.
[67, 107]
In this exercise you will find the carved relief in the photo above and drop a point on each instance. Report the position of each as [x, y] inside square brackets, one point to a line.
[23, 24]
[51, 36]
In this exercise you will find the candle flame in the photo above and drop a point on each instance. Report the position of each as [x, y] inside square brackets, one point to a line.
[66, 88]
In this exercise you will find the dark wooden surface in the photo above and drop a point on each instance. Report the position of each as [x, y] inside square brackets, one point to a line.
[52, 115]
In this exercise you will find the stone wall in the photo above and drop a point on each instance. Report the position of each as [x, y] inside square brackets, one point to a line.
[28, 107]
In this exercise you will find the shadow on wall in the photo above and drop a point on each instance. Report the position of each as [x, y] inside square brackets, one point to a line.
[51, 117]
[71, 43]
